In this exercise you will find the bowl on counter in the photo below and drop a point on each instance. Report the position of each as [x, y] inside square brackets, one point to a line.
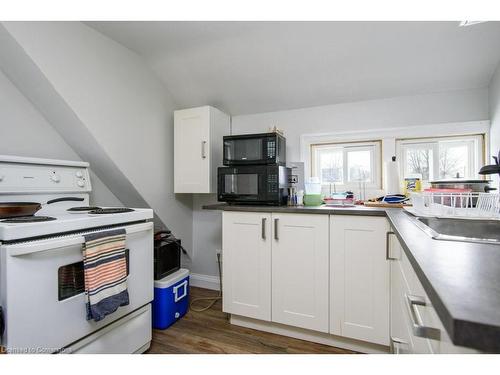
[313, 200]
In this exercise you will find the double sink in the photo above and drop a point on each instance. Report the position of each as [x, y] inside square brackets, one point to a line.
[455, 229]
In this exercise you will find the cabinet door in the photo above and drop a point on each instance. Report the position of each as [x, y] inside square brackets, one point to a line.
[300, 270]
[246, 264]
[191, 150]
[359, 277]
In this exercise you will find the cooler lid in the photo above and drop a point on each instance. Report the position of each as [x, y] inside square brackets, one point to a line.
[171, 279]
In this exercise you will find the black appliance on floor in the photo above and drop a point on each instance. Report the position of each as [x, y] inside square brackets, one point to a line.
[167, 254]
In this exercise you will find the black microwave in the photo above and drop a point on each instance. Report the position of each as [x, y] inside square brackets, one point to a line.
[253, 184]
[251, 149]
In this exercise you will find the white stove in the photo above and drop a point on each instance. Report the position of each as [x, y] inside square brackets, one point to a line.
[41, 311]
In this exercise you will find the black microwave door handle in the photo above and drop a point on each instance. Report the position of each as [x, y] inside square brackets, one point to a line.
[226, 152]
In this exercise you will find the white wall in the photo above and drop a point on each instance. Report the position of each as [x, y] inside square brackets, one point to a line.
[109, 107]
[207, 226]
[421, 115]
[494, 95]
[25, 132]
[439, 108]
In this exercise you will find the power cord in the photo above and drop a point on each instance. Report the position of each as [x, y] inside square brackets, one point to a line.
[212, 300]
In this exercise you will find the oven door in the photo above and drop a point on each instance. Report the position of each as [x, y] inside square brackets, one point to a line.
[42, 289]
[245, 150]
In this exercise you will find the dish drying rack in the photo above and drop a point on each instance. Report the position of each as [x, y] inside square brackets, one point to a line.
[456, 204]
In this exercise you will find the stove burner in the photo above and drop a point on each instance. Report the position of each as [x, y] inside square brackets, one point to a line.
[83, 209]
[102, 211]
[27, 219]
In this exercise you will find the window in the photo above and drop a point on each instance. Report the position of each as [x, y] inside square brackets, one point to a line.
[347, 164]
[441, 158]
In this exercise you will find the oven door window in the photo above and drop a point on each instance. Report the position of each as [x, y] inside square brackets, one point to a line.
[241, 184]
[71, 279]
[244, 149]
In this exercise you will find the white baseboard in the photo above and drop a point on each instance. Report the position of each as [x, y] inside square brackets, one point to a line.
[204, 281]
[307, 335]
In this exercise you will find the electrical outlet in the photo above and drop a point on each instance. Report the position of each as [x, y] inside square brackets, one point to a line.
[293, 179]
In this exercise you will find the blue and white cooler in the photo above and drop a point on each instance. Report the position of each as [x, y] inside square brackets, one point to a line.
[171, 299]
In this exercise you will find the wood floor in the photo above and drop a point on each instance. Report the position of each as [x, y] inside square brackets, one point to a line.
[210, 332]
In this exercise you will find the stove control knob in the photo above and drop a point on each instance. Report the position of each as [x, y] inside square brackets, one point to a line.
[79, 174]
[55, 178]
[81, 183]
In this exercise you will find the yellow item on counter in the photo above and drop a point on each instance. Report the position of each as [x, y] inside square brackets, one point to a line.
[412, 184]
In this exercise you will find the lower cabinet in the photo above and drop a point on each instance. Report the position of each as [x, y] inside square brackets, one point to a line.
[415, 326]
[246, 264]
[300, 270]
[400, 330]
[275, 268]
[344, 275]
[359, 278]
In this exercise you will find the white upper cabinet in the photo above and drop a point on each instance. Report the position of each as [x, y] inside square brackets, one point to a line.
[300, 270]
[198, 136]
[246, 264]
[359, 278]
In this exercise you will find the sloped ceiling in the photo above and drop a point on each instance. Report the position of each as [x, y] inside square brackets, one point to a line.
[252, 67]
[107, 105]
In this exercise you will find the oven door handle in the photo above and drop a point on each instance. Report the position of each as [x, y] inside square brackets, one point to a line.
[37, 247]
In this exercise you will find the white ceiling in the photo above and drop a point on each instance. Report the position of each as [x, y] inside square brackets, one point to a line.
[252, 67]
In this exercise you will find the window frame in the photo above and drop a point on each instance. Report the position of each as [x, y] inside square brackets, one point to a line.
[376, 162]
[476, 158]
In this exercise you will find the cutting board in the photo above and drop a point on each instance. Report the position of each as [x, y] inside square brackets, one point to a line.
[387, 205]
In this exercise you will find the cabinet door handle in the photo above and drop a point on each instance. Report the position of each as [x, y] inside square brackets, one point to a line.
[388, 245]
[203, 154]
[418, 328]
[263, 228]
[394, 344]
[276, 237]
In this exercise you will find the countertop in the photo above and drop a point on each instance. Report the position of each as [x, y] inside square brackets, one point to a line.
[325, 210]
[462, 279]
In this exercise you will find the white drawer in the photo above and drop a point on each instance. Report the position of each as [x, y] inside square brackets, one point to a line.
[418, 344]
[427, 315]
[130, 334]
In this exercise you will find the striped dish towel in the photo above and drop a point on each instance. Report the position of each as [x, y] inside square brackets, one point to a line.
[105, 268]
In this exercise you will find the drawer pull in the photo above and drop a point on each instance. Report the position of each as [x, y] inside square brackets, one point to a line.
[387, 246]
[418, 328]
